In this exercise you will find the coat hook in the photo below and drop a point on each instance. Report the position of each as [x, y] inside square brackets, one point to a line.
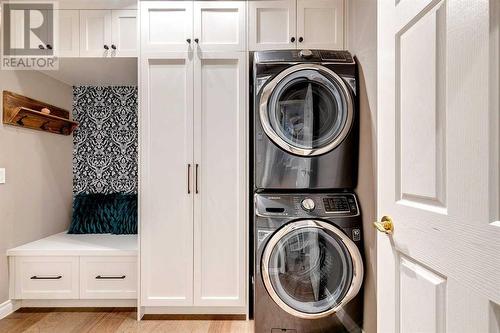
[20, 121]
[44, 125]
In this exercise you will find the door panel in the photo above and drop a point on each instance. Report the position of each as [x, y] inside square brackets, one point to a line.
[69, 33]
[272, 25]
[220, 81]
[166, 181]
[124, 33]
[166, 25]
[95, 33]
[220, 25]
[438, 170]
[321, 24]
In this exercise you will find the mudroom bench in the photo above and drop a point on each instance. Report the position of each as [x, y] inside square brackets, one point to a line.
[75, 270]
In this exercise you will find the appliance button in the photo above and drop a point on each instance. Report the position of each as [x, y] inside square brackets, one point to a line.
[305, 53]
[308, 204]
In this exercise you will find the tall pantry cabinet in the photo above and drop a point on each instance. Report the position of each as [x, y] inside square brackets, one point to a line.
[193, 155]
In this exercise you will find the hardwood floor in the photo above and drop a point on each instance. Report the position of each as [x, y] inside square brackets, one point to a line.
[57, 320]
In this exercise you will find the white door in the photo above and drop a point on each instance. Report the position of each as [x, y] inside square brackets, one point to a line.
[220, 181]
[271, 25]
[438, 172]
[166, 26]
[95, 33]
[69, 33]
[219, 25]
[167, 185]
[124, 33]
[320, 24]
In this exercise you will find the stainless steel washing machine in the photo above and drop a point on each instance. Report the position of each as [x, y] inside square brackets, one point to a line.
[308, 268]
[305, 119]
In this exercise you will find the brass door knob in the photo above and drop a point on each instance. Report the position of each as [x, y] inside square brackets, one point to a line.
[385, 225]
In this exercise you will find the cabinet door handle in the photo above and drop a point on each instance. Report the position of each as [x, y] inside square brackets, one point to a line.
[188, 40]
[301, 39]
[189, 178]
[196, 178]
[46, 277]
[292, 39]
[113, 46]
[106, 47]
[110, 277]
[41, 47]
[196, 40]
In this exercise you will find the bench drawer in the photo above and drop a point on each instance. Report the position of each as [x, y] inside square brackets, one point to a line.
[46, 277]
[108, 277]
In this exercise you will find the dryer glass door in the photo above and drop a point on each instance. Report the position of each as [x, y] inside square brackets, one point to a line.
[309, 271]
[306, 110]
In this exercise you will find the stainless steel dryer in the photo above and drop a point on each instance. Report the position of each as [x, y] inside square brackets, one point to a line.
[308, 268]
[305, 119]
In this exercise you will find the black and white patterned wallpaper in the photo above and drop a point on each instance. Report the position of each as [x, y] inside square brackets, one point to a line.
[105, 142]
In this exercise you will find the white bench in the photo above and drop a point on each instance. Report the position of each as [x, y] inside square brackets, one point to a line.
[75, 270]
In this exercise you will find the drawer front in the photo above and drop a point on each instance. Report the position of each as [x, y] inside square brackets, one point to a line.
[108, 277]
[46, 277]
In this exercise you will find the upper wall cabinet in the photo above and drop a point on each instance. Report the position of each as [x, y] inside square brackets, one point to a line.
[69, 33]
[104, 33]
[186, 25]
[290, 24]
[272, 25]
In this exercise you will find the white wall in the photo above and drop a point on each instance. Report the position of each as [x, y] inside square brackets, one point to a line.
[362, 42]
[36, 199]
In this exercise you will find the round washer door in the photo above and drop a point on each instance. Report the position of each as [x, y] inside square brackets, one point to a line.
[311, 269]
[306, 110]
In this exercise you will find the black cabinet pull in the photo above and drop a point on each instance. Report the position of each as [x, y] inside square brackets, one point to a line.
[301, 39]
[113, 46]
[110, 277]
[189, 178]
[196, 179]
[36, 277]
[292, 39]
[49, 46]
[41, 47]
[106, 47]
[196, 40]
[188, 40]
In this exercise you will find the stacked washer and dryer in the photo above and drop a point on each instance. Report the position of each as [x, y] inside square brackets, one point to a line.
[307, 234]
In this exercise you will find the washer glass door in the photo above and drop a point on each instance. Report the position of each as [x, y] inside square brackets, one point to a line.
[306, 110]
[309, 271]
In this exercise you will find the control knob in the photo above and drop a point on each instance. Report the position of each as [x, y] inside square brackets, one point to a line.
[308, 204]
[306, 53]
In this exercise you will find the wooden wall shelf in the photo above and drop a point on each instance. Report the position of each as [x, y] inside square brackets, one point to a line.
[22, 111]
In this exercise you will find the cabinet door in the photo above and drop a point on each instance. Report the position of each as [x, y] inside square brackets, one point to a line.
[219, 25]
[124, 33]
[320, 24]
[220, 191]
[69, 36]
[95, 33]
[166, 26]
[167, 180]
[271, 25]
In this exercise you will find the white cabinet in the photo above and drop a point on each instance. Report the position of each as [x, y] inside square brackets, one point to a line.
[69, 34]
[167, 180]
[193, 179]
[166, 26]
[290, 24]
[219, 25]
[95, 33]
[220, 159]
[272, 25]
[124, 33]
[320, 24]
[179, 26]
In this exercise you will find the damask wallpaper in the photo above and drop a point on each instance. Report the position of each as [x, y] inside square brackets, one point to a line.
[105, 142]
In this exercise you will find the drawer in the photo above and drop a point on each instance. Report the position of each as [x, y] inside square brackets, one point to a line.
[108, 277]
[46, 277]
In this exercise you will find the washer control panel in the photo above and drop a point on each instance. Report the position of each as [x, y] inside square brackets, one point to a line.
[306, 205]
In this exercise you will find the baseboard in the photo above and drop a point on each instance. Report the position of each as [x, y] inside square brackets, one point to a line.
[188, 310]
[7, 307]
[78, 303]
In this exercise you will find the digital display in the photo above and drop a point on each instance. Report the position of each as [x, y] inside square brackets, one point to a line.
[336, 204]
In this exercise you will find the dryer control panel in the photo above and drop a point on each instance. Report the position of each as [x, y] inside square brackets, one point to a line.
[306, 205]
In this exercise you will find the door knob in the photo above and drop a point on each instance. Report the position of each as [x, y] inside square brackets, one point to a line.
[385, 225]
